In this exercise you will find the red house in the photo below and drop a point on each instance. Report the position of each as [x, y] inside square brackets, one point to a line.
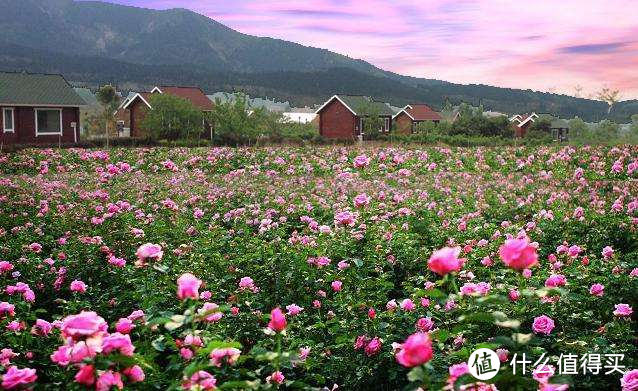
[38, 109]
[139, 104]
[411, 115]
[522, 123]
[344, 116]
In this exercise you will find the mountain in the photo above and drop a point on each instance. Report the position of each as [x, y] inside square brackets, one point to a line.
[93, 43]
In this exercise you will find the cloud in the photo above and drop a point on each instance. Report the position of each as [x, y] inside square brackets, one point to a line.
[319, 13]
[597, 48]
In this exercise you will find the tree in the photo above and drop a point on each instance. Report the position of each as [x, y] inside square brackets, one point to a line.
[173, 118]
[107, 96]
[607, 130]
[234, 121]
[578, 128]
[609, 96]
[372, 120]
[634, 123]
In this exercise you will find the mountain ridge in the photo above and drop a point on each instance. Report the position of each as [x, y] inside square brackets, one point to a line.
[93, 42]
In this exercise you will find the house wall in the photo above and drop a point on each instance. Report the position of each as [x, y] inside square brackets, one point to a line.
[403, 123]
[24, 118]
[336, 121]
[138, 110]
[521, 131]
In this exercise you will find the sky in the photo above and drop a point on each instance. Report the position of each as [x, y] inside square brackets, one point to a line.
[575, 47]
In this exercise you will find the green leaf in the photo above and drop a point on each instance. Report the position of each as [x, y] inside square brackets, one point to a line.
[416, 374]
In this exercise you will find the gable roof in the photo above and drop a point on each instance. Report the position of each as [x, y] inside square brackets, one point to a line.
[30, 89]
[360, 105]
[420, 112]
[144, 96]
[87, 95]
[193, 94]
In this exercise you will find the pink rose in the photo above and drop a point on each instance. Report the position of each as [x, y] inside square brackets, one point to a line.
[83, 324]
[446, 260]
[86, 375]
[629, 381]
[15, 377]
[543, 325]
[277, 377]
[78, 286]
[623, 310]
[124, 326]
[188, 286]
[597, 290]
[416, 350]
[607, 252]
[407, 305]
[149, 251]
[373, 347]
[361, 161]
[293, 309]
[518, 254]
[277, 320]
[109, 379]
[361, 200]
[336, 285]
[134, 374]
[118, 342]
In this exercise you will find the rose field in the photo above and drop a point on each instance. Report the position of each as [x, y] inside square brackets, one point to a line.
[372, 268]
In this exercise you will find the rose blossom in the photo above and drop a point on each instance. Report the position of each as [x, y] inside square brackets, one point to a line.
[629, 381]
[623, 310]
[543, 325]
[446, 260]
[15, 377]
[188, 286]
[416, 350]
[277, 320]
[518, 254]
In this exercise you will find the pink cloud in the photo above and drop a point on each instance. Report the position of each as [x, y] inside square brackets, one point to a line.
[540, 45]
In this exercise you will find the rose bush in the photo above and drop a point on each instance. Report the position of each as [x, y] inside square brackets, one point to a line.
[308, 268]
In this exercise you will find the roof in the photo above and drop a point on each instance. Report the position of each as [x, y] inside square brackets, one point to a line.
[87, 95]
[420, 112]
[360, 105]
[29, 89]
[144, 96]
[266, 104]
[193, 94]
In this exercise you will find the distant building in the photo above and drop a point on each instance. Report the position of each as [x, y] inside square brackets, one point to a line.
[138, 106]
[559, 128]
[301, 115]
[344, 116]
[522, 123]
[38, 109]
[411, 115]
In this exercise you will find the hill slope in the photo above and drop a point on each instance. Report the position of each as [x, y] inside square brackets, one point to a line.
[94, 42]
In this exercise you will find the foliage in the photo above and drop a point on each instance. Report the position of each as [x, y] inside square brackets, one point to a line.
[472, 122]
[294, 220]
[107, 97]
[173, 118]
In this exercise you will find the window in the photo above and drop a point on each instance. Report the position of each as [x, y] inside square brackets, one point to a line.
[48, 122]
[386, 124]
[8, 120]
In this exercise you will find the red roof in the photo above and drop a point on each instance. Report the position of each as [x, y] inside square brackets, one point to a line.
[193, 94]
[422, 113]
